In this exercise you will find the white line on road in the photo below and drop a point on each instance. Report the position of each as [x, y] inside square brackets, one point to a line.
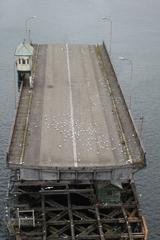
[71, 108]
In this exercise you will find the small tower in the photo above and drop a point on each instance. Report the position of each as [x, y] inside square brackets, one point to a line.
[24, 54]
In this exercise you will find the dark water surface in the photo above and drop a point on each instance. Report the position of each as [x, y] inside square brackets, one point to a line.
[136, 35]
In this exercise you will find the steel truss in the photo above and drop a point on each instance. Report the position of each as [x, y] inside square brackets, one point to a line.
[51, 210]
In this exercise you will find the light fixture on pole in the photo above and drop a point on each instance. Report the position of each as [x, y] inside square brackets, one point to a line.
[110, 41]
[131, 75]
[26, 25]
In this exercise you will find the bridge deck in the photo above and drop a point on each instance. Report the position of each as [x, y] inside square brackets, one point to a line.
[72, 119]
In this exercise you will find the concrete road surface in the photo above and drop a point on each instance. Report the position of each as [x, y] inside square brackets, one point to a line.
[71, 122]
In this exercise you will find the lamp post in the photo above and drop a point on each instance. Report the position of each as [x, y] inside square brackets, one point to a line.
[15, 92]
[110, 41]
[26, 25]
[131, 74]
[29, 35]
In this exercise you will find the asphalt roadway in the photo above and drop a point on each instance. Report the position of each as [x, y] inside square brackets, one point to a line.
[71, 121]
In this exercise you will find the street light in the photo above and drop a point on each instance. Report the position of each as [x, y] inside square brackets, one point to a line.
[110, 42]
[26, 25]
[29, 35]
[131, 74]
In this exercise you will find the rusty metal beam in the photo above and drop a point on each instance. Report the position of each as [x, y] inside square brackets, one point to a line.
[58, 216]
[88, 237]
[88, 230]
[99, 224]
[71, 217]
[127, 224]
[44, 228]
[82, 215]
[65, 191]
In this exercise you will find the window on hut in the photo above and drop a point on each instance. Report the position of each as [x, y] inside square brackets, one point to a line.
[23, 61]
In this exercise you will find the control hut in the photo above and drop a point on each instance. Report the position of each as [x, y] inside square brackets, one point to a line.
[24, 54]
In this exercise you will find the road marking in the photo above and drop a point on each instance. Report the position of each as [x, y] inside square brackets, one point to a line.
[71, 108]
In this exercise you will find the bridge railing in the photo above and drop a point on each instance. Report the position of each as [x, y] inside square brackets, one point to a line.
[126, 110]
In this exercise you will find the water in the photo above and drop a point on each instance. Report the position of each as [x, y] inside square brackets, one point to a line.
[136, 35]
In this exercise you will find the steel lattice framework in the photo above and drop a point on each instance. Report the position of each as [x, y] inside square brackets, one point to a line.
[52, 210]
